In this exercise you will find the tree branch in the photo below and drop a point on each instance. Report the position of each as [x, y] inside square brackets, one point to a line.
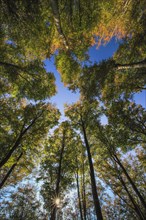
[136, 65]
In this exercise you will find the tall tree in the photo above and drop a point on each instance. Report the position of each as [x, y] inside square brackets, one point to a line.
[81, 117]
[111, 149]
[57, 168]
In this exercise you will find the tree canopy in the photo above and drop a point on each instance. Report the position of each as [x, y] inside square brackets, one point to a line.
[82, 168]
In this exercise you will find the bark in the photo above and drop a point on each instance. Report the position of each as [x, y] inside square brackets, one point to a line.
[10, 171]
[92, 176]
[54, 210]
[84, 194]
[18, 141]
[55, 10]
[53, 213]
[60, 164]
[137, 65]
[131, 182]
[79, 197]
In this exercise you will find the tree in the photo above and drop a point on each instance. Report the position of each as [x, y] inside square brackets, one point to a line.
[81, 117]
[127, 117]
[32, 31]
[57, 168]
[107, 146]
[24, 130]
[109, 81]
[41, 28]
[23, 77]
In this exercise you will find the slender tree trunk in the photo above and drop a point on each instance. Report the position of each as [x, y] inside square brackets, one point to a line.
[15, 146]
[136, 207]
[54, 210]
[18, 141]
[131, 182]
[60, 164]
[84, 193]
[10, 171]
[137, 65]
[53, 213]
[124, 200]
[117, 160]
[92, 175]
[79, 197]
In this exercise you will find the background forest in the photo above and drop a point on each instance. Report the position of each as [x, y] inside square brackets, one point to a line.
[77, 167]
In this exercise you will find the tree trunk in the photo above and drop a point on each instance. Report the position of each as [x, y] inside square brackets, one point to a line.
[53, 213]
[131, 182]
[55, 10]
[136, 207]
[84, 193]
[92, 176]
[54, 210]
[117, 160]
[10, 171]
[79, 197]
[124, 200]
[18, 141]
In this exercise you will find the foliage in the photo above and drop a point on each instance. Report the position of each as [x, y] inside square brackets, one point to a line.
[102, 166]
[24, 126]
[22, 204]
[57, 166]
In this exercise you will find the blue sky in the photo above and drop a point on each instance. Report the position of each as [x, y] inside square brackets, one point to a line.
[63, 94]
[96, 55]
